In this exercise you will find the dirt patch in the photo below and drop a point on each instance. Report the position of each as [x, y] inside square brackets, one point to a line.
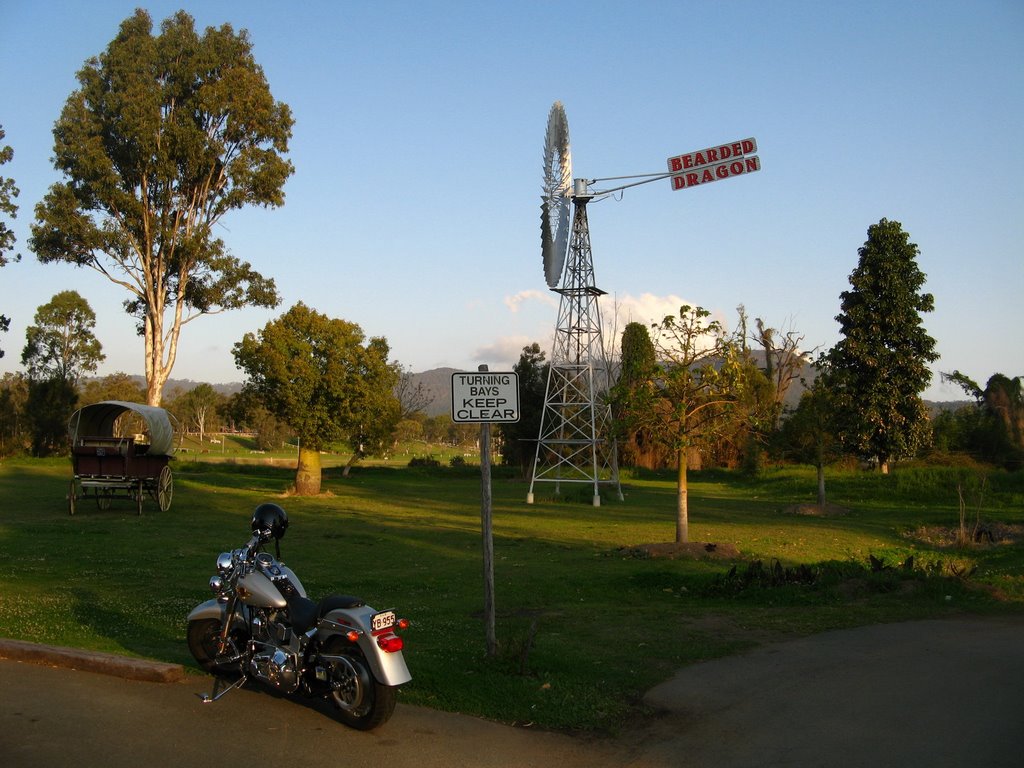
[982, 535]
[691, 550]
[817, 510]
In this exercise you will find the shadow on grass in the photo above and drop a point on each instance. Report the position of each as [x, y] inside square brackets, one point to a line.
[117, 623]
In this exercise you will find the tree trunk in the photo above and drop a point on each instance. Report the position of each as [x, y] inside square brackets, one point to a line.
[307, 474]
[682, 500]
[161, 351]
[356, 456]
[821, 485]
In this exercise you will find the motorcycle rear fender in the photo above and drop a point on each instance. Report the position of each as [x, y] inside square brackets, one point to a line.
[388, 668]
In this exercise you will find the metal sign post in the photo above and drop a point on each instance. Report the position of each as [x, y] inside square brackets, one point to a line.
[487, 536]
[486, 398]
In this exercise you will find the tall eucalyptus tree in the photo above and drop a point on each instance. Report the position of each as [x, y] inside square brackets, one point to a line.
[165, 135]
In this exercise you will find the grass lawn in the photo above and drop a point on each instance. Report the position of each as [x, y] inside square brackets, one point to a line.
[586, 621]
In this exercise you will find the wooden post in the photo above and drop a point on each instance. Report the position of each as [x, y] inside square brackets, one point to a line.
[486, 399]
[486, 529]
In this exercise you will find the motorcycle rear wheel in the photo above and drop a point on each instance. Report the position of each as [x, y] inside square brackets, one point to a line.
[203, 635]
[362, 702]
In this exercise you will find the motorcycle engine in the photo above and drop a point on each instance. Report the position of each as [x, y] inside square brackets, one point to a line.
[277, 652]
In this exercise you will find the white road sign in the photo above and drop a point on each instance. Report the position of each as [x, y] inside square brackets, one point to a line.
[485, 397]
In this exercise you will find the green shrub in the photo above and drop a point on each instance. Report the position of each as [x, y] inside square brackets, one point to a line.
[424, 461]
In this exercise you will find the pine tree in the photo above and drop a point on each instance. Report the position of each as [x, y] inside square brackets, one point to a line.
[519, 440]
[879, 368]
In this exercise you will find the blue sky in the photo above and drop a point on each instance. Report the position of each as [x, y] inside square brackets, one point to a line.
[414, 209]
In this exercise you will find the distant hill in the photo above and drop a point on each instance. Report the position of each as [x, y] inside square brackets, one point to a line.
[181, 384]
[231, 388]
[437, 383]
[935, 408]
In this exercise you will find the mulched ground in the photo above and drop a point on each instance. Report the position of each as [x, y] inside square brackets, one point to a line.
[691, 550]
[817, 510]
[978, 534]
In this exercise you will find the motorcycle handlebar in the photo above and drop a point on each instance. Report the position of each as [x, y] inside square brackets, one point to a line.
[252, 546]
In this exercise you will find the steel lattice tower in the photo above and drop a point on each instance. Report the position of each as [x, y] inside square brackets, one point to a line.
[575, 443]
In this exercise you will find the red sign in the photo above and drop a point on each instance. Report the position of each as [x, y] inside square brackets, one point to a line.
[716, 172]
[712, 155]
[714, 163]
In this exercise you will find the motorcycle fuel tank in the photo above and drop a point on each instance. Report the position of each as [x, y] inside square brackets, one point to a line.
[257, 589]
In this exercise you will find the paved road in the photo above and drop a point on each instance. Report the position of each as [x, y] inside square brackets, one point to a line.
[931, 693]
[935, 693]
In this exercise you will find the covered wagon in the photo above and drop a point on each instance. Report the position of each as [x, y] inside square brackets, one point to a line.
[121, 449]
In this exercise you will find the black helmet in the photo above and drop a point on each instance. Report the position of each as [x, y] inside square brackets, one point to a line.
[269, 520]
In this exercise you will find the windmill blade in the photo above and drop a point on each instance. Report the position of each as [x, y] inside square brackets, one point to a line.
[556, 194]
[550, 249]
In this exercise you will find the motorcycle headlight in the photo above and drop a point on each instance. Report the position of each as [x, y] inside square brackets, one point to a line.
[216, 585]
[224, 564]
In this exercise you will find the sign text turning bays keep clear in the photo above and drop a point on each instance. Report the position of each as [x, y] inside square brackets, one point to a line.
[485, 397]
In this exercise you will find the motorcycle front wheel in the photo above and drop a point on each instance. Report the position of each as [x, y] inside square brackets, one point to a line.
[203, 638]
[362, 702]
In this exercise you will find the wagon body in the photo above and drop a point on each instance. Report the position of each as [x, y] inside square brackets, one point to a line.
[107, 463]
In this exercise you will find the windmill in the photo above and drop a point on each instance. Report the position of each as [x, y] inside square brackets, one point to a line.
[575, 444]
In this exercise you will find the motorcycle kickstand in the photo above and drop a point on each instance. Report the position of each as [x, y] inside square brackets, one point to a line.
[209, 698]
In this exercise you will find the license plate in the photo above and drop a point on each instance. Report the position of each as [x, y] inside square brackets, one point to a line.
[381, 621]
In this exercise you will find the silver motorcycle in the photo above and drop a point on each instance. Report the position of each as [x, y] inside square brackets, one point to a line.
[261, 625]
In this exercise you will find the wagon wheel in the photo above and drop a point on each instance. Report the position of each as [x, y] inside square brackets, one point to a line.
[164, 488]
[139, 495]
[103, 499]
[72, 497]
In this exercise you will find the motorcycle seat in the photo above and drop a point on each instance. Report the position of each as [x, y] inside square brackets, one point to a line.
[331, 602]
[304, 612]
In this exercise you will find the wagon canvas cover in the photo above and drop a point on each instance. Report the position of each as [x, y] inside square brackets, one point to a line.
[98, 420]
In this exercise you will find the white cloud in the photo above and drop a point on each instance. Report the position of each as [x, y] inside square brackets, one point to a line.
[646, 309]
[616, 313]
[515, 301]
[504, 352]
